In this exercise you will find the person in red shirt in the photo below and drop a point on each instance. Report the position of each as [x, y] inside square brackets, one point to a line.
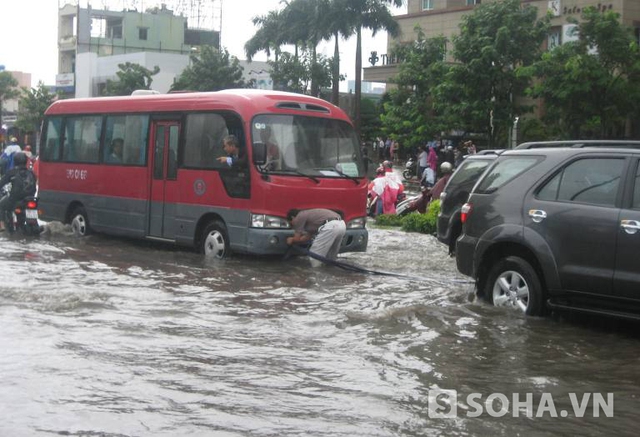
[445, 168]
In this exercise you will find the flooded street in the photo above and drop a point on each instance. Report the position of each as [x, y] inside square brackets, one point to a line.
[110, 337]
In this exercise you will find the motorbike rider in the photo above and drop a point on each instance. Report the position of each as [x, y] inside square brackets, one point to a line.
[6, 159]
[23, 184]
[446, 169]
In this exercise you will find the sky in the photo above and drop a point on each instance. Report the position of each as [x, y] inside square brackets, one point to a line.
[29, 33]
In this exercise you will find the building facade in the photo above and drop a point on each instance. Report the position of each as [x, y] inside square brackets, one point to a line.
[11, 107]
[443, 18]
[92, 43]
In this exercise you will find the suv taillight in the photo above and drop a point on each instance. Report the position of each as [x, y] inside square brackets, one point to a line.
[464, 212]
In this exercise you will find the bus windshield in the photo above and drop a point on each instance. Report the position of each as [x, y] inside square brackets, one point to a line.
[312, 146]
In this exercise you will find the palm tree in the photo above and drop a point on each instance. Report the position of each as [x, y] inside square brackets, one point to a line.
[309, 24]
[340, 24]
[373, 15]
[270, 35]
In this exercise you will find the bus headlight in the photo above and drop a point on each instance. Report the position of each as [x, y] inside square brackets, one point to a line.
[357, 223]
[268, 221]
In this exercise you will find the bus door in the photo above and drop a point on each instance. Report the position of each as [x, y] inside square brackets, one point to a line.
[164, 184]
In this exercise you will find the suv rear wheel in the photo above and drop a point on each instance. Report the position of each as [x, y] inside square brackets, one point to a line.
[513, 283]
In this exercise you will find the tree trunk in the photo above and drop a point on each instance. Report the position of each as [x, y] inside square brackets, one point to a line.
[335, 90]
[358, 90]
[315, 89]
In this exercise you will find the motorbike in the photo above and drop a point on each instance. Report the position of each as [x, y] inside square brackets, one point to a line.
[415, 203]
[24, 218]
[410, 168]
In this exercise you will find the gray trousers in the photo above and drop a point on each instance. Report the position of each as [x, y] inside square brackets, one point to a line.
[328, 240]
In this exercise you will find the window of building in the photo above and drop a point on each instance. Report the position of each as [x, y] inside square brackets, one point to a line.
[114, 28]
[473, 2]
[427, 5]
[142, 33]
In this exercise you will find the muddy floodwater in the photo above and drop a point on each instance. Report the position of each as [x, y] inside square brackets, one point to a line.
[103, 336]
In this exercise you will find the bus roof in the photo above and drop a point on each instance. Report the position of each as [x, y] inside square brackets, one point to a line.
[246, 102]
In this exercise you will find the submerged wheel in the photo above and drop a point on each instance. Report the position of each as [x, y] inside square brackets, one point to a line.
[215, 240]
[80, 222]
[407, 174]
[513, 283]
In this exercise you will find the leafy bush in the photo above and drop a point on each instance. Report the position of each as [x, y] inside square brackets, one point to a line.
[424, 223]
[389, 220]
[414, 222]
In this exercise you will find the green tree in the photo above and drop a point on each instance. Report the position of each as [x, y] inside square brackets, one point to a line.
[480, 89]
[409, 115]
[8, 90]
[33, 103]
[131, 77]
[211, 70]
[590, 87]
[290, 73]
[370, 116]
[375, 16]
[340, 25]
[271, 35]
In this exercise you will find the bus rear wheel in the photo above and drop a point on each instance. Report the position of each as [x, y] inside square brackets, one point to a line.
[215, 240]
[80, 222]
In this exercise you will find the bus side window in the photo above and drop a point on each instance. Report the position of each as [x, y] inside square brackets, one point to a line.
[203, 139]
[133, 130]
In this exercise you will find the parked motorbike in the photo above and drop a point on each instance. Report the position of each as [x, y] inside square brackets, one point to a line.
[416, 203]
[410, 168]
[24, 218]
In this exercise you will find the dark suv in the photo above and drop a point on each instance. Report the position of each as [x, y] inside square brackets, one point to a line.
[456, 192]
[556, 227]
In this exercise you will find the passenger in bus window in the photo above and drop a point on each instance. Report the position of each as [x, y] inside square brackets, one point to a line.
[273, 153]
[235, 157]
[117, 145]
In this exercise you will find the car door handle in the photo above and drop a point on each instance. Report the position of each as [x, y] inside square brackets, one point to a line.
[537, 215]
[630, 226]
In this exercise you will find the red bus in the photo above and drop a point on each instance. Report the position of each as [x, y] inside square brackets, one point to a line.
[163, 180]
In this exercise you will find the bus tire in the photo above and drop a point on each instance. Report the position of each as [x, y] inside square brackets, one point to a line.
[215, 240]
[80, 222]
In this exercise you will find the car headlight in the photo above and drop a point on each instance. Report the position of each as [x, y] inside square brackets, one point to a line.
[268, 221]
[357, 223]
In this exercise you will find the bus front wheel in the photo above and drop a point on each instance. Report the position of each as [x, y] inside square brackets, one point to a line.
[80, 222]
[215, 240]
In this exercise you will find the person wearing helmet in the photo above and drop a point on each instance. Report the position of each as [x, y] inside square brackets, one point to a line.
[376, 186]
[445, 168]
[23, 184]
[6, 159]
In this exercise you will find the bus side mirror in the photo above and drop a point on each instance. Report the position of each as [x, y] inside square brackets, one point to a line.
[259, 153]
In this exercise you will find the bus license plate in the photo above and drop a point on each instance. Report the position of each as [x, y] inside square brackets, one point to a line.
[31, 213]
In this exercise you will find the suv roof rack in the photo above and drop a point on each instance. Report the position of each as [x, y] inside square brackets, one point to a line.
[580, 143]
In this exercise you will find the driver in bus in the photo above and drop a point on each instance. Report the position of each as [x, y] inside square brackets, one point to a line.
[235, 158]
[273, 153]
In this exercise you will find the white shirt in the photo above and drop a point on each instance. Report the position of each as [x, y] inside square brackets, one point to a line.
[11, 149]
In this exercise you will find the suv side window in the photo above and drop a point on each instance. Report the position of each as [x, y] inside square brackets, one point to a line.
[592, 180]
[505, 170]
[471, 171]
[636, 190]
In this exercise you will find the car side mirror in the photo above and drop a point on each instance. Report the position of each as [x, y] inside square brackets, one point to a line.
[259, 153]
